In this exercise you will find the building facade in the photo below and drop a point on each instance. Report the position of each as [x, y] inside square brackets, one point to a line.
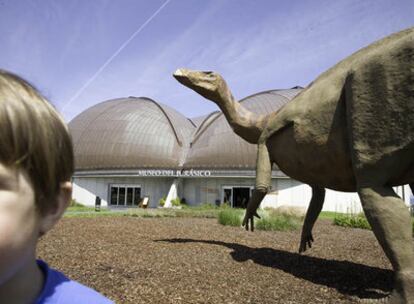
[128, 149]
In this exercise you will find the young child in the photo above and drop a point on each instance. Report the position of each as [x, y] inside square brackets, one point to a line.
[36, 165]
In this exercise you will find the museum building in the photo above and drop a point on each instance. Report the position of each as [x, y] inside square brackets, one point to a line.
[132, 149]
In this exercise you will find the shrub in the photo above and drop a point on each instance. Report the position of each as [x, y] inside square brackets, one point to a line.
[271, 220]
[352, 220]
[162, 201]
[230, 217]
[355, 221]
[278, 222]
[176, 202]
[225, 205]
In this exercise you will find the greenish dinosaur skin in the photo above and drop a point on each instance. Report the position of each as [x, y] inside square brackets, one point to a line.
[350, 130]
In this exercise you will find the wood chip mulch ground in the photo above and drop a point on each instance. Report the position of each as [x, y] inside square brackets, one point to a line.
[190, 260]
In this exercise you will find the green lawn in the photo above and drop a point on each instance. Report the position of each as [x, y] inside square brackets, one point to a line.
[225, 215]
[270, 219]
[202, 210]
[330, 215]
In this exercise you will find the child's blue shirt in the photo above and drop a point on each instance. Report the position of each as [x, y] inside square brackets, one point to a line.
[58, 289]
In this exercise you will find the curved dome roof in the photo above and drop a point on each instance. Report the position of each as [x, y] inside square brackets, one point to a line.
[216, 146]
[130, 133]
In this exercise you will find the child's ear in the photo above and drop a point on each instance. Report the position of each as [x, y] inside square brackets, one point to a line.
[52, 216]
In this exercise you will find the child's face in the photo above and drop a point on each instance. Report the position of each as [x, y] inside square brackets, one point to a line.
[19, 222]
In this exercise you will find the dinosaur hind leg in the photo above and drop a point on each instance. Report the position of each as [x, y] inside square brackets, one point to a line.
[391, 223]
[314, 209]
[385, 211]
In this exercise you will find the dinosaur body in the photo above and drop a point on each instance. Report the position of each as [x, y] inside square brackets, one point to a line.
[350, 130]
[310, 138]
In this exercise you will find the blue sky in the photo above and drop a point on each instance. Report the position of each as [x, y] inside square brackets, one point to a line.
[256, 45]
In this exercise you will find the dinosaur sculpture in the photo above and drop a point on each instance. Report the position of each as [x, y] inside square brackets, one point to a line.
[349, 130]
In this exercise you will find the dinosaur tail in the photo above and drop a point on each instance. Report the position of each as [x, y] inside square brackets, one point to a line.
[212, 86]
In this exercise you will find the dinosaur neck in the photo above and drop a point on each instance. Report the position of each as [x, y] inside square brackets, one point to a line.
[244, 123]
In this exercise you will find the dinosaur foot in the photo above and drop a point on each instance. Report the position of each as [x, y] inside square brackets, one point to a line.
[403, 292]
[404, 288]
[393, 298]
[375, 301]
[385, 300]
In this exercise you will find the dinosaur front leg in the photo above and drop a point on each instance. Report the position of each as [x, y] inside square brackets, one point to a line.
[314, 209]
[263, 183]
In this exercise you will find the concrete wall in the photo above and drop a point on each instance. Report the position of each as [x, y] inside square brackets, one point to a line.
[85, 189]
[292, 192]
[196, 191]
[285, 191]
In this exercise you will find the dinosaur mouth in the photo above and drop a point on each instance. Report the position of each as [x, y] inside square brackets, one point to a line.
[203, 82]
[183, 76]
[188, 74]
[179, 72]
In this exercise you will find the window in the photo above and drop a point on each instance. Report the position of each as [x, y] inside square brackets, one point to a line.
[125, 195]
[130, 194]
[114, 196]
[121, 196]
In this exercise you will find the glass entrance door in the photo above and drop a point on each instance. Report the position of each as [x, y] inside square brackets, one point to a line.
[125, 195]
[236, 196]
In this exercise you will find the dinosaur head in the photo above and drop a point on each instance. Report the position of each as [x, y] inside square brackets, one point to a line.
[208, 84]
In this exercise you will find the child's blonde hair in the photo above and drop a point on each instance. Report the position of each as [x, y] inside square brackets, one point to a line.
[34, 138]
